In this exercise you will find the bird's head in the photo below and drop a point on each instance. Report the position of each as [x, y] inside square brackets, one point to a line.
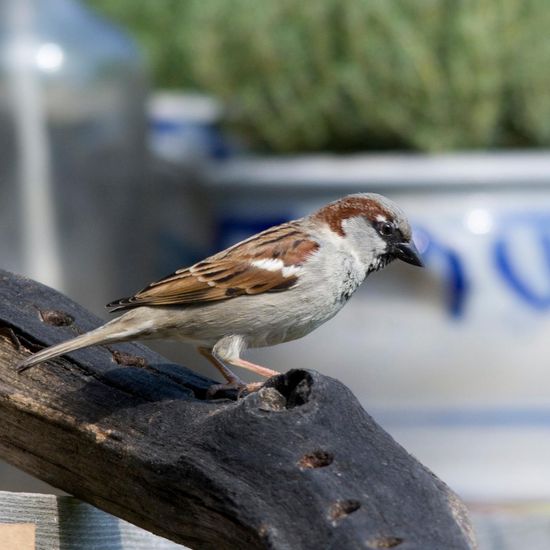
[374, 227]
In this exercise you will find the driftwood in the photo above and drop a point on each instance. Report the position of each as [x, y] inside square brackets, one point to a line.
[297, 465]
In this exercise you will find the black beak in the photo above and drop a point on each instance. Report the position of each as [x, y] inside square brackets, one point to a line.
[408, 253]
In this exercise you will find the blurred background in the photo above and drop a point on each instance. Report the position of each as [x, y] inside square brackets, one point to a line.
[138, 136]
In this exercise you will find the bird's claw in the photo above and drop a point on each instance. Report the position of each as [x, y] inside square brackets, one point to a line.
[247, 389]
[240, 387]
[22, 368]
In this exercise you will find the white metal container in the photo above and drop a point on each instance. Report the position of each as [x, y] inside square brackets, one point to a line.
[72, 150]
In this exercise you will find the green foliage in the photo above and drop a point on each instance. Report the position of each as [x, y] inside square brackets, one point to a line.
[306, 75]
[160, 28]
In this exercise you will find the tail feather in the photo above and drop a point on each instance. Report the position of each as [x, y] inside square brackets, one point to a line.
[114, 331]
[121, 304]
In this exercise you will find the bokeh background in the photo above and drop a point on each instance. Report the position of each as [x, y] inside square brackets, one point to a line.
[138, 136]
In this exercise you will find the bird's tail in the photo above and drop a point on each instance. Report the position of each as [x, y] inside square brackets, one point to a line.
[114, 331]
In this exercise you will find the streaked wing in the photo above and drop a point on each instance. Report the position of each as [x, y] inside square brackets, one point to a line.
[268, 262]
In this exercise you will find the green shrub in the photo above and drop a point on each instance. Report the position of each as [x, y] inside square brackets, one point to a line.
[348, 75]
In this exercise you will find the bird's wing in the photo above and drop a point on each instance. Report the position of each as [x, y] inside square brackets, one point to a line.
[268, 262]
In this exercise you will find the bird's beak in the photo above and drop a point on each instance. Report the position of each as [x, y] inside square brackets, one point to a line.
[408, 253]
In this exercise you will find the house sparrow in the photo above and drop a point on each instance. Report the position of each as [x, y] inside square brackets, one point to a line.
[273, 287]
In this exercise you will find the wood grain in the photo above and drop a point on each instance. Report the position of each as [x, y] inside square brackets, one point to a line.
[297, 465]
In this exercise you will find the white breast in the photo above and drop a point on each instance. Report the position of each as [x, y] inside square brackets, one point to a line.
[325, 285]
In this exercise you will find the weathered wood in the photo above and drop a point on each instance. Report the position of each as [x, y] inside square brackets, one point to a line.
[297, 465]
[65, 523]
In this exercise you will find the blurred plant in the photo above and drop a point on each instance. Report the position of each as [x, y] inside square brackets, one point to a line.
[358, 74]
[160, 28]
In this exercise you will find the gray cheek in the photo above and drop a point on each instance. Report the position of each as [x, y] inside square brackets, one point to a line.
[363, 235]
[357, 226]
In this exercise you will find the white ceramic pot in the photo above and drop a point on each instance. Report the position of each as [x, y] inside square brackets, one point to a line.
[454, 360]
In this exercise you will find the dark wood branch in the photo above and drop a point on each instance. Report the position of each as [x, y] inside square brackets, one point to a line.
[297, 465]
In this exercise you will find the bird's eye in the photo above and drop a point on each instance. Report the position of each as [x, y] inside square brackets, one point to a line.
[386, 229]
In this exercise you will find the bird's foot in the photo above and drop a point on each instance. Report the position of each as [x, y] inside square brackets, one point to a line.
[22, 367]
[239, 386]
[249, 388]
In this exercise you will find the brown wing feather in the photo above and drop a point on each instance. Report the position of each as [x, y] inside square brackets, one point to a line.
[231, 272]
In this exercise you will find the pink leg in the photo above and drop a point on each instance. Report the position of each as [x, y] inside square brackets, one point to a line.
[258, 369]
[233, 381]
[226, 373]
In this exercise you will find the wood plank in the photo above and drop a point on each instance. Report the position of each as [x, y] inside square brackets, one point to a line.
[17, 536]
[65, 523]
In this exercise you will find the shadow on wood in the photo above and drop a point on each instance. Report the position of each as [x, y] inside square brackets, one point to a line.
[297, 465]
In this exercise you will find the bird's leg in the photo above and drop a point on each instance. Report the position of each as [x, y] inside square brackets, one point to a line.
[258, 369]
[233, 381]
[226, 373]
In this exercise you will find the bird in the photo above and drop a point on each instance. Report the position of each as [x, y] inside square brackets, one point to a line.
[273, 287]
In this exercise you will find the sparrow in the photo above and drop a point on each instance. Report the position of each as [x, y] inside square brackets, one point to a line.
[273, 287]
